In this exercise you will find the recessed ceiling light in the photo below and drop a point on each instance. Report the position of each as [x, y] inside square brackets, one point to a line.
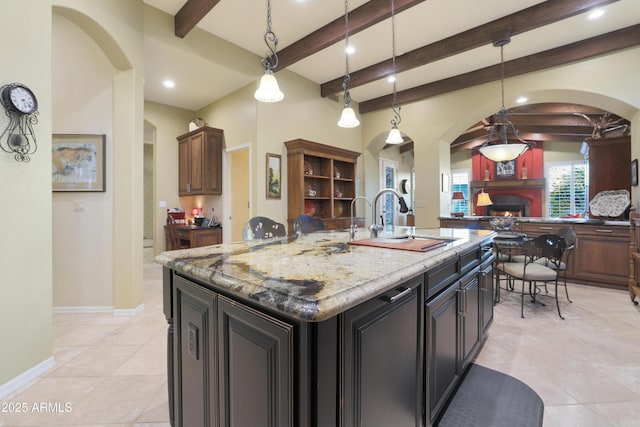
[350, 50]
[169, 83]
[522, 100]
[596, 13]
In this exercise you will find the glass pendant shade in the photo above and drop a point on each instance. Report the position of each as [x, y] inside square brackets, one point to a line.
[484, 199]
[268, 91]
[394, 137]
[348, 118]
[503, 152]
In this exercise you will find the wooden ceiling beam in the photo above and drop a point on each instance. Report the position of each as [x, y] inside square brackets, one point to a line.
[190, 14]
[574, 52]
[525, 20]
[361, 18]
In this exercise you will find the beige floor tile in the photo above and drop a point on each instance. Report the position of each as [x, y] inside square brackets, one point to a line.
[96, 362]
[147, 360]
[117, 399]
[573, 416]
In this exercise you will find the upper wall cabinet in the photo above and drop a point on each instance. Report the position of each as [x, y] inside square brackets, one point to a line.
[200, 162]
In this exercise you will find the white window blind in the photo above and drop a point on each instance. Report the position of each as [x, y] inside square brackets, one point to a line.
[566, 188]
[460, 182]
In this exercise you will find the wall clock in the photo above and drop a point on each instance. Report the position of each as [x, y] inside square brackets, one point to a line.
[21, 108]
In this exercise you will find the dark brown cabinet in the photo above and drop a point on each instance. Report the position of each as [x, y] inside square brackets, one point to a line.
[232, 365]
[382, 359]
[256, 367]
[608, 157]
[321, 182]
[601, 255]
[195, 393]
[200, 162]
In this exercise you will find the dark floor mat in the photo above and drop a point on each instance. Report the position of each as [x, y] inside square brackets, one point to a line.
[488, 398]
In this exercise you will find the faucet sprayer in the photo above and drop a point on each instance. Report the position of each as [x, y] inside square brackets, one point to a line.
[374, 228]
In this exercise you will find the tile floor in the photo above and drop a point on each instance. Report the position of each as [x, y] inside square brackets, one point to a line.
[111, 370]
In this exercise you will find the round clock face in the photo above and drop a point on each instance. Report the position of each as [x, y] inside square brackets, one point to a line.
[23, 99]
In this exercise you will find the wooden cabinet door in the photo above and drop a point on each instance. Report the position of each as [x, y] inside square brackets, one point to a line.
[383, 360]
[601, 255]
[195, 377]
[184, 167]
[469, 312]
[486, 295]
[256, 367]
[442, 348]
[196, 174]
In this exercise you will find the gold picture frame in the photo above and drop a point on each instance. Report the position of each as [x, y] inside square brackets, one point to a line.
[274, 176]
[78, 162]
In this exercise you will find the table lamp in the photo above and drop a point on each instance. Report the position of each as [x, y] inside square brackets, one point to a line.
[459, 196]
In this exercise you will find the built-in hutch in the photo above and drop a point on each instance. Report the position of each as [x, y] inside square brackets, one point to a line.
[321, 182]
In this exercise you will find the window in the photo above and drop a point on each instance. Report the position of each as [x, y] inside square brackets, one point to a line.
[567, 190]
[388, 179]
[460, 182]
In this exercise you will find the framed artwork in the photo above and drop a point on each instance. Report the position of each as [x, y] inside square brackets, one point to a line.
[273, 176]
[78, 162]
[506, 169]
[634, 172]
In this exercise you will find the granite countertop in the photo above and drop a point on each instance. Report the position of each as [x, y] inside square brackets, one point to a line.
[594, 221]
[318, 275]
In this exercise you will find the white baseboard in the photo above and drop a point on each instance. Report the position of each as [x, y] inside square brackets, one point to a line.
[100, 309]
[24, 379]
[130, 312]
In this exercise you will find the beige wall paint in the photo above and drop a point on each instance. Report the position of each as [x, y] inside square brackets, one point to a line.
[82, 222]
[25, 306]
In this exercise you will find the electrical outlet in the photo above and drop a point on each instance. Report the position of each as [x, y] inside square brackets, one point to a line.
[192, 341]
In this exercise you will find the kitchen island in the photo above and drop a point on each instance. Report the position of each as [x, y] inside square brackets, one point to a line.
[315, 331]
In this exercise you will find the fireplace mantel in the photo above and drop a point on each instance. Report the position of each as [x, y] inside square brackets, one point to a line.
[508, 184]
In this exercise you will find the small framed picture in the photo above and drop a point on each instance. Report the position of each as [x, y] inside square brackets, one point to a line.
[78, 162]
[506, 169]
[273, 176]
[634, 172]
[445, 183]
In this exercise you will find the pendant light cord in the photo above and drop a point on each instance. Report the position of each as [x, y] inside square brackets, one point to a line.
[347, 77]
[394, 103]
[270, 61]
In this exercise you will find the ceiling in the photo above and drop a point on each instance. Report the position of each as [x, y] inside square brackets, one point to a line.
[441, 46]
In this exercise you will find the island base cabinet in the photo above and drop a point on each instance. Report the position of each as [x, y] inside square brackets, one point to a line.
[382, 360]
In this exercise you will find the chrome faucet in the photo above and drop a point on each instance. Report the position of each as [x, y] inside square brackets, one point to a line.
[374, 228]
[354, 227]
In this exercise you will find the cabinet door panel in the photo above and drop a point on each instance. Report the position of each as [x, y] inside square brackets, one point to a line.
[442, 348]
[256, 367]
[184, 167]
[383, 360]
[197, 159]
[470, 319]
[195, 349]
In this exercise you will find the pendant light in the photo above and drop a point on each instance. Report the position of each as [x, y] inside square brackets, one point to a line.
[502, 150]
[348, 118]
[394, 134]
[268, 91]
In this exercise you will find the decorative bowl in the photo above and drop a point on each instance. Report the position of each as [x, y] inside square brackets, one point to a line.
[503, 223]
